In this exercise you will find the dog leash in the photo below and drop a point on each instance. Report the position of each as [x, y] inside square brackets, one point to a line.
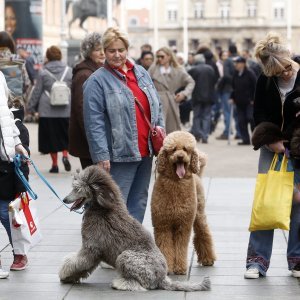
[18, 163]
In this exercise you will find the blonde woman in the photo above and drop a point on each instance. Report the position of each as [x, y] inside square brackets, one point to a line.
[276, 102]
[173, 84]
[116, 130]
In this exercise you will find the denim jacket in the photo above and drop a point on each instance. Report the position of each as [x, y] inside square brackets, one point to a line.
[109, 114]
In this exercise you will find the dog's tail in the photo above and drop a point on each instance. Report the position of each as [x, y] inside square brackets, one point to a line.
[169, 285]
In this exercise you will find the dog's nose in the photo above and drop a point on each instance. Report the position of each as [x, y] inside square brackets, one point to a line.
[180, 157]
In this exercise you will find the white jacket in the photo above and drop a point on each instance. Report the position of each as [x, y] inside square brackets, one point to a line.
[8, 127]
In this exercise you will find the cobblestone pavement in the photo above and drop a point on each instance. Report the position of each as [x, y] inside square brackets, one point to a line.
[229, 184]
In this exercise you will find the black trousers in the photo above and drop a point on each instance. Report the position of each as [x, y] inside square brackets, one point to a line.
[245, 117]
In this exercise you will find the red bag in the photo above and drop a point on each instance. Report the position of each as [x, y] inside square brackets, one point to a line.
[158, 135]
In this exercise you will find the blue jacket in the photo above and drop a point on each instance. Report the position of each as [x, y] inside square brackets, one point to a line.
[109, 114]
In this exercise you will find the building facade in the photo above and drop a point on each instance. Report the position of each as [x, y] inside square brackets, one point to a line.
[222, 22]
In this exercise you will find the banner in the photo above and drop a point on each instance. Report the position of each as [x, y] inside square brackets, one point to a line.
[23, 20]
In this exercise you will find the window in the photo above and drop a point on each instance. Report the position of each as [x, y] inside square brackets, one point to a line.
[224, 9]
[279, 10]
[172, 15]
[199, 10]
[172, 43]
[172, 10]
[133, 22]
[251, 9]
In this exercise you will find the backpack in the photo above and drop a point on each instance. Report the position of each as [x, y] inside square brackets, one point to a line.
[12, 71]
[60, 92]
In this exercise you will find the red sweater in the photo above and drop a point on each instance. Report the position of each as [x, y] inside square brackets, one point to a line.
[142, 126]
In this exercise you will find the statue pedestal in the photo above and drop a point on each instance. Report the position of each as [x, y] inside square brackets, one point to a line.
[73, 52]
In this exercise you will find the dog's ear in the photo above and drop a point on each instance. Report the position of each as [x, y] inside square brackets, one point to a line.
[202, 162]
[161, 161]
[195, 166]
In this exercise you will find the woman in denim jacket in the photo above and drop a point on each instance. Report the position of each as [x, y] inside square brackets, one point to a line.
[117, 133]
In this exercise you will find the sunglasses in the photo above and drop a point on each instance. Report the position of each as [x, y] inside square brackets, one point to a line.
[287, 68]
[160, 56]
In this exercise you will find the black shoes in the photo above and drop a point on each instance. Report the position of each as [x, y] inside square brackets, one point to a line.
[222, 137]
[54, 169]
[243, 143]
[66, 163]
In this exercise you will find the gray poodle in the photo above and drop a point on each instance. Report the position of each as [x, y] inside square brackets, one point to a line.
[111, 235]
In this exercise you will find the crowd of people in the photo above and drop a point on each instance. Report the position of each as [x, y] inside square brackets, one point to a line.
[111, 97]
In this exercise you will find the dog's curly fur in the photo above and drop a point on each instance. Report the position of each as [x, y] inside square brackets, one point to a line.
[178, 203]
[111, 235]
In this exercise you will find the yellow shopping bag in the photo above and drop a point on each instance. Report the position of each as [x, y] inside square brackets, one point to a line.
[273, 198]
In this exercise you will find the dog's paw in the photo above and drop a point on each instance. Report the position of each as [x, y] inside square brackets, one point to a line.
[179, 271]
[69, 280]
[207, 262]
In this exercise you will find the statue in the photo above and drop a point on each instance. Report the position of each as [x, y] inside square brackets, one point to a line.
[82, 9]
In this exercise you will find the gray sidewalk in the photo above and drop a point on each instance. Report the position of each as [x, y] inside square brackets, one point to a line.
[229, 184]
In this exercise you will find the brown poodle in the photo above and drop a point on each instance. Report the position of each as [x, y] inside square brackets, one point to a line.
[178, 203]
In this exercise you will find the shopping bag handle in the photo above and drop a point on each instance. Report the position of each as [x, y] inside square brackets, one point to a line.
[284, 162]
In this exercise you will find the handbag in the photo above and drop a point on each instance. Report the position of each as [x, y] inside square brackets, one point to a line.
[24, 225]
[157, 133]
[273, 197]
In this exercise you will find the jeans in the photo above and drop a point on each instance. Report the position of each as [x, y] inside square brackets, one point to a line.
[201, 120]
[225, 96]
[261, 242]
[4, 217]
[133, 179]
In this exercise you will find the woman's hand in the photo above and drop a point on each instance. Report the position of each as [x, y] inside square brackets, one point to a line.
[104, 164]
[179, 97]
[277, 147]
[21, 150]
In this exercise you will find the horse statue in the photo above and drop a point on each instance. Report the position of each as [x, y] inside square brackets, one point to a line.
[82, 9]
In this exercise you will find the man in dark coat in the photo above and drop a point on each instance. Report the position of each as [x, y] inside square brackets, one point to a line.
[243, 84]
[202, 97]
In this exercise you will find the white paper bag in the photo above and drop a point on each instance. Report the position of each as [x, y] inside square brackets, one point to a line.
[24, 225]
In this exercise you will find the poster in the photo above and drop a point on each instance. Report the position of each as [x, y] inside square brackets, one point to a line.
[23, 20]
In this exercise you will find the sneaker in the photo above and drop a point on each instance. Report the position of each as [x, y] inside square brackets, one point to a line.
[251, 273]
[296, 271]
[3, 273]
[66, 163]
[20, 262]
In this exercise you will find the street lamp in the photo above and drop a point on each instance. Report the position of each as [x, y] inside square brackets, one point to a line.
[63, 32]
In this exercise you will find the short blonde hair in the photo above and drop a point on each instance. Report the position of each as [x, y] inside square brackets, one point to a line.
[113, 34]
[173, 60]
[272, 54]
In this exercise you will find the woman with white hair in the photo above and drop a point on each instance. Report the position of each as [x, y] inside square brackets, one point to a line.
[93, 58]
[276, 108]
[116, 128]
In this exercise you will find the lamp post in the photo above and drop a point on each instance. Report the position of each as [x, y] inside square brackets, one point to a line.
[109, 13]
[2, 9]
[63, 32]
[185, 28]
[289, 24]
[155, 24]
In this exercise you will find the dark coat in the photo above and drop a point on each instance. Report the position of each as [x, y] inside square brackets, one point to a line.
[268, 108]
[243, 88]
[8, 178]
[78, 145]
[205, 80]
